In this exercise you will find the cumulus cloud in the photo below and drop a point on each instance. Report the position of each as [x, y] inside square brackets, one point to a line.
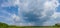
[45, 10]
[32, 12]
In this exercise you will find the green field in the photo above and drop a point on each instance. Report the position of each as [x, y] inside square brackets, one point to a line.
[33, 27]
[3, 25]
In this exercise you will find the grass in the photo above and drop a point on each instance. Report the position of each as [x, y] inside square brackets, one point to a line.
[3, 25]
[35, 27]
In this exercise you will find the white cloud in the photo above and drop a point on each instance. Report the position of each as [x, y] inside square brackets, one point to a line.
[51, 6]
[8, 3]
[26, 24]
[49, 23]
[16, 18]
[46, 9]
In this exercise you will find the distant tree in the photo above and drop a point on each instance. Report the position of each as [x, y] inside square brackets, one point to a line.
[57, 25]
[3, 25]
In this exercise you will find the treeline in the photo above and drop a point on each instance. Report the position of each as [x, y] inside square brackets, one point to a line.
[4, 25]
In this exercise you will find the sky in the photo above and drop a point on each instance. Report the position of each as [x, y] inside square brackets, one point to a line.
[30, 12]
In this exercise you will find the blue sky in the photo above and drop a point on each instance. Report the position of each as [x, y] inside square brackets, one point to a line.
[30, 12]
